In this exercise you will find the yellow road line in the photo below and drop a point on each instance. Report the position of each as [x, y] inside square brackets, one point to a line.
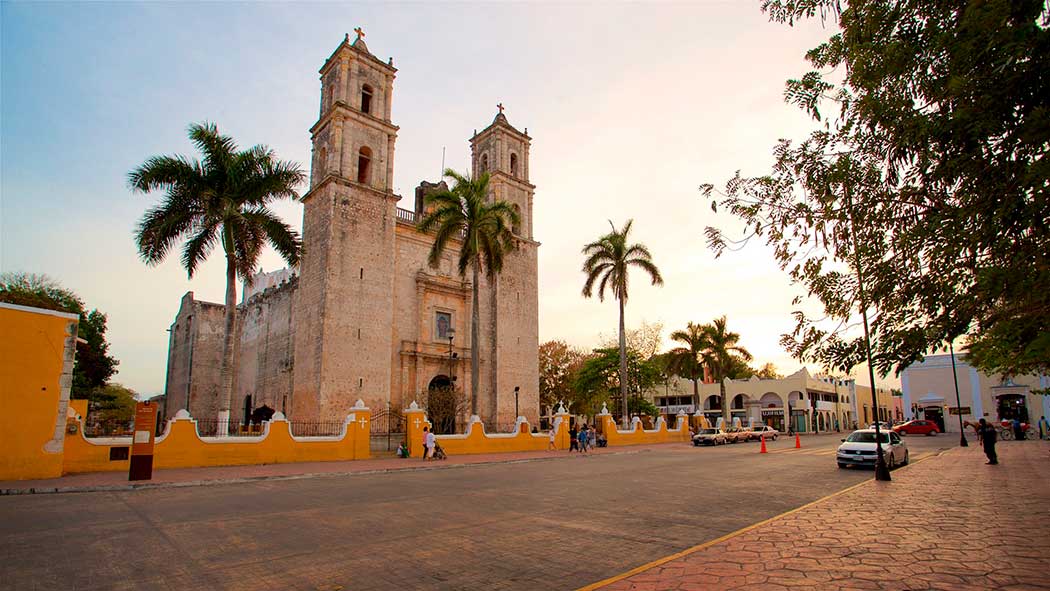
[734, 534]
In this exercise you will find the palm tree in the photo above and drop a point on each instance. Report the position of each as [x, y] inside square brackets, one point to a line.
[220, 199]
[688, 361]
[484, 228]
[721, 347]
[607, 263]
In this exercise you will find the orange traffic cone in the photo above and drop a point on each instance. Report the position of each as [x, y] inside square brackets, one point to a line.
[798, 442]
[763, 445]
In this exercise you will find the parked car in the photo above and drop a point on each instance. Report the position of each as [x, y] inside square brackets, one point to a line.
[709, 437]
[859, 449]
[917, 427]
[764, 430]
[736, 434]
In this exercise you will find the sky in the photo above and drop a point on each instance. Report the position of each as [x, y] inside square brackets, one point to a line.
[631, 106]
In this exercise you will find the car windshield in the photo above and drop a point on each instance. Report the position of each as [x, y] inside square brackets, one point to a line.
[866, 437]
[709, 431]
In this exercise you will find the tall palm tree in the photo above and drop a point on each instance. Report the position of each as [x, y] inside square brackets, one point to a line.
[688, 361]
[220, 199]
[484, 227]
[721, 347]
[608, 261]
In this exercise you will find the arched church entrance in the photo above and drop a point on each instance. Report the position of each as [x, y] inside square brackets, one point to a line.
[442, 404]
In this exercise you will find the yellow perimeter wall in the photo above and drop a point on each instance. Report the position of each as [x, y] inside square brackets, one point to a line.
[181, 447]
[36, 369]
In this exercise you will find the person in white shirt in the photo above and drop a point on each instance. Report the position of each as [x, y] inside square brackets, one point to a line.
[550, 440]
[428, 440]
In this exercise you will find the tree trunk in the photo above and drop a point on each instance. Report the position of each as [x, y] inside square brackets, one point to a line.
[696, 395]
[226, 372]
[475, 362]
[726, 418]
[623, 369]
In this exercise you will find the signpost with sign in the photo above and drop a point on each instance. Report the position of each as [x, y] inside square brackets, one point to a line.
[141, 467]
[959, 410]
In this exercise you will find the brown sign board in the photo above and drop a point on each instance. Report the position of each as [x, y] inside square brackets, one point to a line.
[959, 410]
[141, 465]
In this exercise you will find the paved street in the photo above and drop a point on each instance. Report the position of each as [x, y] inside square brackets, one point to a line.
[556, 524]
[949, 524]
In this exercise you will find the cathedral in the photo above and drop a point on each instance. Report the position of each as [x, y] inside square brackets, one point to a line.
[365, 316]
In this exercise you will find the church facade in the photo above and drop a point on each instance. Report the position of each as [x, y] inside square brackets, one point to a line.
[365, 316]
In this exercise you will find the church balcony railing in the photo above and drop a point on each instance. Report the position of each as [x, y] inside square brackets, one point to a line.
[406, 215]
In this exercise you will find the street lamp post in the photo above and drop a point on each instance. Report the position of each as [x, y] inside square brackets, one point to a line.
[516, 388]
[451, 356]
[958, 402]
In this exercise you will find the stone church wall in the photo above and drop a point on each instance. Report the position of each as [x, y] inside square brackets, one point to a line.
[195, 358]
[266, 350]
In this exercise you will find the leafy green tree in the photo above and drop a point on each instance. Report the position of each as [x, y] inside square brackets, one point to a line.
[93, 365]
[598, 379]
[768, 372]
[687, 361]
[639, 405]
[113, 402]
[608, 262]
[220, 199]
[558, 365]
[926, 187]
[484, 230]
[720, 356]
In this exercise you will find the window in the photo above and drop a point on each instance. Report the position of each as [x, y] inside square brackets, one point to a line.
[364, 165]
[322, 162]
[366, 99]
[517, 220]
[331, 96]
[443, 326]
[484, 163]
[514, 164]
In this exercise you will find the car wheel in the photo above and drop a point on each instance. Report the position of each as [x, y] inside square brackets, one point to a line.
[931, 432]
[890, 462]
[906, 458]
[842, 466]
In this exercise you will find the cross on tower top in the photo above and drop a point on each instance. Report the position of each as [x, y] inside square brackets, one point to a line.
[360, 33]
[500, 107]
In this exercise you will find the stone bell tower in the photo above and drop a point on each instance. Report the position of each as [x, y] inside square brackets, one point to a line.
[509, 305]
[343, 313]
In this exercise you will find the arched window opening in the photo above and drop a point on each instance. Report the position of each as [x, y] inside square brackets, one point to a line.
[514, 165]
[331, 96]
[322, 163]
[484, 163]
[517, 220]
[366, 99]
[364, 165]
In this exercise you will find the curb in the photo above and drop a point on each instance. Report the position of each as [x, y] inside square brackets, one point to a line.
[703, 546]
[247, 479]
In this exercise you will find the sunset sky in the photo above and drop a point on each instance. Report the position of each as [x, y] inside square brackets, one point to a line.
[631, 106]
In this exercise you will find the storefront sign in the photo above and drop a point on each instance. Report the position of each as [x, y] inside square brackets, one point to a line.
[772, 412]
[141, 465]
[956, 410]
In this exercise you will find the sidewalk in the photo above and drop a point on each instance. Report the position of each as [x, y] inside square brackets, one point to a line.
[947, 523]
[99, 481]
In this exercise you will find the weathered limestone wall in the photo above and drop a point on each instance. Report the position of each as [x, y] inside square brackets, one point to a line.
[195, 358]
[266, 350]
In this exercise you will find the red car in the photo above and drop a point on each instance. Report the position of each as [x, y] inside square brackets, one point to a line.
[917, 427]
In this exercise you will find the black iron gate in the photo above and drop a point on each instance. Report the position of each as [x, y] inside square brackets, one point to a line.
[387, 430]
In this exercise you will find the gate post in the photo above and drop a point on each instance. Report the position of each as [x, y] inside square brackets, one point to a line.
[415, 420]
[561, 426]
[361, 431]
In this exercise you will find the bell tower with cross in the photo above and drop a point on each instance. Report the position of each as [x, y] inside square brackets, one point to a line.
[343, 312]
[511, 305]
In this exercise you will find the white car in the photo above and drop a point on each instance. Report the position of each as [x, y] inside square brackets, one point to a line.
[859, 449]
[759, 431]
[710, 437]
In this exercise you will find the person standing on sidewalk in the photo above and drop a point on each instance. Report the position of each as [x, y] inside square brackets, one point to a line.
[550, 440]
[574, 443]
[1044, 428]
[584, 436]
[986, 433]
[1018, 431]
[429, 440]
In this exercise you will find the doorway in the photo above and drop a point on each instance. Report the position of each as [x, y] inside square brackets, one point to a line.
[1012, 406]
[443, 405]
[935, 414]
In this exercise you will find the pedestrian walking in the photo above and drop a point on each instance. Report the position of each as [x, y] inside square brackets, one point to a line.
[1044, 428]
[1018, 431]
[550, 440]
[574, 443]
[987, 434]
[429, 440]
[583, 439]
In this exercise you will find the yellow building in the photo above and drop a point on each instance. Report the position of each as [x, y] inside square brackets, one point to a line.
[36, 371]
[929, 393]
[813, 403]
